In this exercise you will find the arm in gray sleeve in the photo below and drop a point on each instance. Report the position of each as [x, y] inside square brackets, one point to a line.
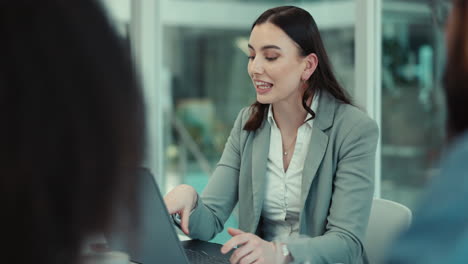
[221, 194]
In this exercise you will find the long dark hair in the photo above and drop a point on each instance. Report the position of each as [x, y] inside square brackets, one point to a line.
[72, 127]
[456, 73]
[300, 26]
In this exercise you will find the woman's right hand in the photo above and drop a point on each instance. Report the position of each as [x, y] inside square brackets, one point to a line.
[181, 200]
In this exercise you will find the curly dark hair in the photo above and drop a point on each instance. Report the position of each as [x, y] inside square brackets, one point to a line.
[72, 128]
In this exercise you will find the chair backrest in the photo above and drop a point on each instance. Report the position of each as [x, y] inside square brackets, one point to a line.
[387, 220]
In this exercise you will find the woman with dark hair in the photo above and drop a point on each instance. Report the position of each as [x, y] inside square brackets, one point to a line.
[438, 233]
[72, 128]
[299, 162]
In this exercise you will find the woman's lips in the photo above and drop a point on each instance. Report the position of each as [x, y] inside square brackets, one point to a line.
[263, 87]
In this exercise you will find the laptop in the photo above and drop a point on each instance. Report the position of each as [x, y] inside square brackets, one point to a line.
[154, 240]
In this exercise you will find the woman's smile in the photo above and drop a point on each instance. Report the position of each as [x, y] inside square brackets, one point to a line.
[262, 87]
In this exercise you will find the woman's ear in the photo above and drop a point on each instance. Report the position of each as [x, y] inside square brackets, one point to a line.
[311, 61]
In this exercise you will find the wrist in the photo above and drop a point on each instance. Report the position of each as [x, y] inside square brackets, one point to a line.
[195, 203]
[284, 253]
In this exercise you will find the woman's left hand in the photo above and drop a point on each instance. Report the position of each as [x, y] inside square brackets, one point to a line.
[251, 248]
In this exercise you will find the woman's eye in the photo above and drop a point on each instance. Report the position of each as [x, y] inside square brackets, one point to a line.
[251, 57]
[271, 58]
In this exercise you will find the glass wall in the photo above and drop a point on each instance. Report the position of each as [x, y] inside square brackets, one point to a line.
[210, 84]
[119, 12]
[195, 70]
[205, 65]
[412, 99]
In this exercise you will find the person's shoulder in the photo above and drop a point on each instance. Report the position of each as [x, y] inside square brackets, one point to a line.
[456, 158]
[460, 145]
[350, 116]
[451, 182]
[244, 116]
[245, 112]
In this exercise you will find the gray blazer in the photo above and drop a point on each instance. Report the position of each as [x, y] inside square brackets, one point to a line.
[337, 184]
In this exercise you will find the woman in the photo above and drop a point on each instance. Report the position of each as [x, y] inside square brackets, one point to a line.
[72, 128]
[441, 221]
[300, 160]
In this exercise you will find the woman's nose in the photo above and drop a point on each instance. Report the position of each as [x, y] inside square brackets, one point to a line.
[256, 67]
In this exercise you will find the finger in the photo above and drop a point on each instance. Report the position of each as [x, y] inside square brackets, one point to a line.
[241, 252]
[185, 221]
[172, 210]
[235, 231]
[171, 205]
[253, 257]
[235, 241]
[260, 260]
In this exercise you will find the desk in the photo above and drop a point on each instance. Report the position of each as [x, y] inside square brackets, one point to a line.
[183, 237]
[209, 248]
[99, 246]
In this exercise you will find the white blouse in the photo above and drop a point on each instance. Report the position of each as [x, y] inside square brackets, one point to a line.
[280, 212]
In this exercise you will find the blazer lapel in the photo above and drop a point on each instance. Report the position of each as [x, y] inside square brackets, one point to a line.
[319, 142]
[318, 145]
[261, 147]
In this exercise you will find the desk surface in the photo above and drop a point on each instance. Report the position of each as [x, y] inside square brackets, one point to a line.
[209, 248]
[183, 237]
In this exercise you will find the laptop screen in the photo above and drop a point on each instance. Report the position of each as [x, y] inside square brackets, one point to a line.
[153, 239]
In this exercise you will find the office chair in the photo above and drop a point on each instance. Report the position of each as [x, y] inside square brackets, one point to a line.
[387, 220]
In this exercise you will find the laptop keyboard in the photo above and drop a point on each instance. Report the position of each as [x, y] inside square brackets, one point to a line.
[196, 257]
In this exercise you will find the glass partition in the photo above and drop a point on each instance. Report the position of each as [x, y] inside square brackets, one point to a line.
[412, 98]
[205, 66]
[119, 12]
[192, 54]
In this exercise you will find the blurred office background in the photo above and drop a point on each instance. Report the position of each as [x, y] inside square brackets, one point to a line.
[192, 57]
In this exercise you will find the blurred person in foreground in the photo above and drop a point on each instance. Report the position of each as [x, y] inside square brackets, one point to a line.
[439, 233]
[72, 128]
